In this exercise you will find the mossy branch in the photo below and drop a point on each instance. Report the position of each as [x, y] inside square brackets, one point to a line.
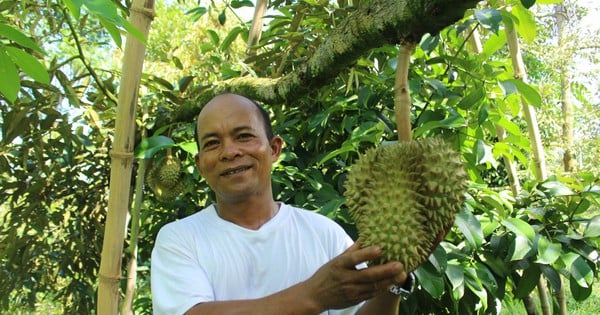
[379, 23]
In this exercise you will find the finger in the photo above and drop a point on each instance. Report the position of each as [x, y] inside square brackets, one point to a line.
[388, 274]
[358, 256]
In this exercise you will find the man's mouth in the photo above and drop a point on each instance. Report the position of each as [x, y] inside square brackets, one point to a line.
[235, 171]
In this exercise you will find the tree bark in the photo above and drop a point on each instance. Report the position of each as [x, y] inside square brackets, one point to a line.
[374, 25]
[565, 88]
[142, 13]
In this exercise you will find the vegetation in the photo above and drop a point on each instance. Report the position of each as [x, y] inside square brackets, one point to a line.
[60, 66]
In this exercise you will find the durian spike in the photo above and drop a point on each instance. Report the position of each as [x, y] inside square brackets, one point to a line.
[402, 102]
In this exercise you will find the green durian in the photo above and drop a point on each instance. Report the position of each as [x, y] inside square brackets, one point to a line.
[165, 178]
[402, 196]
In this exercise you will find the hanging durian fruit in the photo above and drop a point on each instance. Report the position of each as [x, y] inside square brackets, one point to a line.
[404, 196]
[165, 178]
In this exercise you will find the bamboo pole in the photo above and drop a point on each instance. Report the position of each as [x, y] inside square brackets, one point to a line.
[256, 28]
[109, 275]
[534, 136]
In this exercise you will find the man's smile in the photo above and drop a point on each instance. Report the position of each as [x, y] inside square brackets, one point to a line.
[237, 170]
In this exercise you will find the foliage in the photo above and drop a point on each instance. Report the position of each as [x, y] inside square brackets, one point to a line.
[56, 134]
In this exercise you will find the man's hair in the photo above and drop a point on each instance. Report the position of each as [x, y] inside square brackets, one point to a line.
[263, 114]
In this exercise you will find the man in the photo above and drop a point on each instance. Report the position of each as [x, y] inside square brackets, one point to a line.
[247, 253]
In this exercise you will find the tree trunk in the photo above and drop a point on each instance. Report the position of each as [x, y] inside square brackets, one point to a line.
[565, 88]
[109, 275]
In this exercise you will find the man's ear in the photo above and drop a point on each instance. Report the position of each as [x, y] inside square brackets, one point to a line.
[276, 147]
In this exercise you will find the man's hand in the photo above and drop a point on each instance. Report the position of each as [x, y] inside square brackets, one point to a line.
[338, 284]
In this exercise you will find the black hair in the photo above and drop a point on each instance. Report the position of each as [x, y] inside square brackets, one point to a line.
[263, 114]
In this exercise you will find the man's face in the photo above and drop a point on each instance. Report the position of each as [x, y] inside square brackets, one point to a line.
[235, 155]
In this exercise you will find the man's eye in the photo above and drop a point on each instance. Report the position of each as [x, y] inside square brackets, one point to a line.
[210, 143]
[245, 136]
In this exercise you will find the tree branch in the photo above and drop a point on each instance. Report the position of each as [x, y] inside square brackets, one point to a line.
[379, 23]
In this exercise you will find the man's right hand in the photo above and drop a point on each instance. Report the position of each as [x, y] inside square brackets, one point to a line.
[338, 284]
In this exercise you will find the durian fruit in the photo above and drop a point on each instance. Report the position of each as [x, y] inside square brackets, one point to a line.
[403, 196]
[165, 178]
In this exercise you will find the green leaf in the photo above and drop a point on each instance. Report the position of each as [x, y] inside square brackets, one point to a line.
[483, 153]
[489, 18]
[10, 83]
[450, 123]
[519, 227]
[526, 25]
[508, 87]
[486, 277]
[230, 38]
[16, 36]
[592, 229]
[474, 284]
[438, 259]
[527, 3]
[197, 13]
[132, 30]
[236, 4]
[553, 277]
[556, 188]
[214, 37]
[528, 92]
[114, 32]
[430, 280]
[438, 86]
[456, 276]
[471, 99]
[521, 247]
[222, 17]
[582, 273]
[470, 228]
[190, 147]
[548, 252]
[105, 9]
[29, 64]
[579, 293]
[74, 6]
[494, 43]
[528, 281]
[149, 146]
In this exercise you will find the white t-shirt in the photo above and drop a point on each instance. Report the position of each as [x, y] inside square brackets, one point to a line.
[204, 258]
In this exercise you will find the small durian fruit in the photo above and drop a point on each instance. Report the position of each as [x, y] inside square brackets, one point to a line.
[165, 180]
[169, 171]
[402, 196]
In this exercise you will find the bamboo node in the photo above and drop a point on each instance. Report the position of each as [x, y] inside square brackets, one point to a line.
[145, 11]
[109, 278]
[121, 155]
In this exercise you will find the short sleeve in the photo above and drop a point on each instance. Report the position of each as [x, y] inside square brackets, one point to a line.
[178, 282]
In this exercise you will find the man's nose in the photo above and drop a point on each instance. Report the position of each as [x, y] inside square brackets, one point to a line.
[229, 150]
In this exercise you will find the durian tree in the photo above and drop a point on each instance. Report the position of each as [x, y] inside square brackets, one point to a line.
[54, 182]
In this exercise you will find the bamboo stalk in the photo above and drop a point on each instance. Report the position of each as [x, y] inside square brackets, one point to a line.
[534, 137]
[127, 306]
[256, 28]
[109, 275]
[402, 101]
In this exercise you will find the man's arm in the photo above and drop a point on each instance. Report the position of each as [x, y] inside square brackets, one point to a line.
[337, 284]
